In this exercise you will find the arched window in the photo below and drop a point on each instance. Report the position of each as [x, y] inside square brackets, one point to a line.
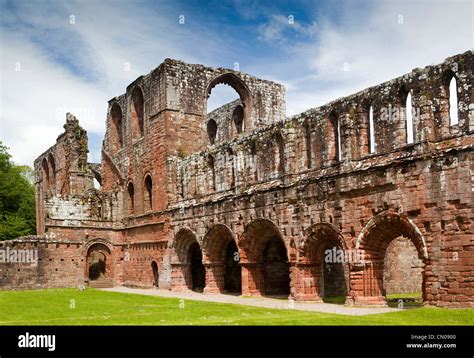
[52, 169]
[253, 153]
[280, 154]
[371, 131]
[225, 89]
[453, 102]
[212, 130]
[117, 126]
[138, 112]
[409, 118]
[131, 198]
[307, 137]
[230, 155]
[148, 193]
[333, 138]
[45, 168]
[238, 118]
[210, 163]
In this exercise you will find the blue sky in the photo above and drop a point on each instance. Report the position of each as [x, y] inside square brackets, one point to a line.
[51, 65]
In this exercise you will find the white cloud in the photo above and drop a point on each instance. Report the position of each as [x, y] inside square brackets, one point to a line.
[386, 42]
[382, 46]
[35, 99]
[279, 27]
[78, 67]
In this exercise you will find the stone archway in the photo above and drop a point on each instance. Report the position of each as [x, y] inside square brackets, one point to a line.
[375, 238]
[223, 273]
[98, 268]
[242, 90]
[322, 265]
[187, 269]
[264, 260]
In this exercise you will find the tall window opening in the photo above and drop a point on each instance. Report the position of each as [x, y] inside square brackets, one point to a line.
[238, 118]
[117, 127]
[131, 198]
[371, 131]
[280, 154]
[138, 112]
[453, 102]
[148, 193]
[230, 155]
[211, 165]
[409, 118]
[333, 138]
[45, 168]
[212, 130]
[307, 137]
[228, 105]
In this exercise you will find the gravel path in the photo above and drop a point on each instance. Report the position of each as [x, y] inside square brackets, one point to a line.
[265, 302]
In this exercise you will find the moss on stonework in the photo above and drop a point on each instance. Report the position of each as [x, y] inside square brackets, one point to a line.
[181, 152]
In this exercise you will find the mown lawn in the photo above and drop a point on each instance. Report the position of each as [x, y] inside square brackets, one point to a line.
[95, 307]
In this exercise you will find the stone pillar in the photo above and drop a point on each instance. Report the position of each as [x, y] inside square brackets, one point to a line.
[366, 284]
[214, 277]
[181, 277]
[305, 284]
[252, 279]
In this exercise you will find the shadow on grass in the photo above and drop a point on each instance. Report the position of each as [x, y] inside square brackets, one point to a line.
[405, 300]
[338, 300]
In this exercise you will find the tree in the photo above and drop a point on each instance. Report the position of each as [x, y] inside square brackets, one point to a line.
[17, 198]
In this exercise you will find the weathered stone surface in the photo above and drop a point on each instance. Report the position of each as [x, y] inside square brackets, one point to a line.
[284, 190]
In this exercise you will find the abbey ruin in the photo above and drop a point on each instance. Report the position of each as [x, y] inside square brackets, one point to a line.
[246, 200]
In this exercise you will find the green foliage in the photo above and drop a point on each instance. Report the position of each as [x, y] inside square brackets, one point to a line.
[17, 198]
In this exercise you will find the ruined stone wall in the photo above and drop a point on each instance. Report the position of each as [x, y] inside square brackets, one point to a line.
[223, 116]
[310, 180]
[292, 174]
[59, 264]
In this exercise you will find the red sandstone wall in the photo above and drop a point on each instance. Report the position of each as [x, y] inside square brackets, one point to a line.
[289, 173]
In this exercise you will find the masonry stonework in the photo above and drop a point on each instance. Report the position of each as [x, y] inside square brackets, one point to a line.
[246, 200]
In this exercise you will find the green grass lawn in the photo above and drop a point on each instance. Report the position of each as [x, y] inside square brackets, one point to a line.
[95, 307]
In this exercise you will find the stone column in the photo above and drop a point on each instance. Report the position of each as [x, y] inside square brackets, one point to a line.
[305, 284]
[181, 276]
[214, 277]
[252, 279]
[366, 284]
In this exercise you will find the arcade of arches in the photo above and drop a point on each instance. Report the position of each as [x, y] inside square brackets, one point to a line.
[261, 261]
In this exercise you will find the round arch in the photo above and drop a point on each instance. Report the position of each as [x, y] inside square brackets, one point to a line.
[265, 259]
[108, 245]
[316, 236]
[183, 239]
[138, 111]
[215, 241]
[373, 242]
[116, 123]
[98, 266]
[255, 236]
[222, 260]
[385, 226]
[322, 262]
[188, 271]
[242, 90]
